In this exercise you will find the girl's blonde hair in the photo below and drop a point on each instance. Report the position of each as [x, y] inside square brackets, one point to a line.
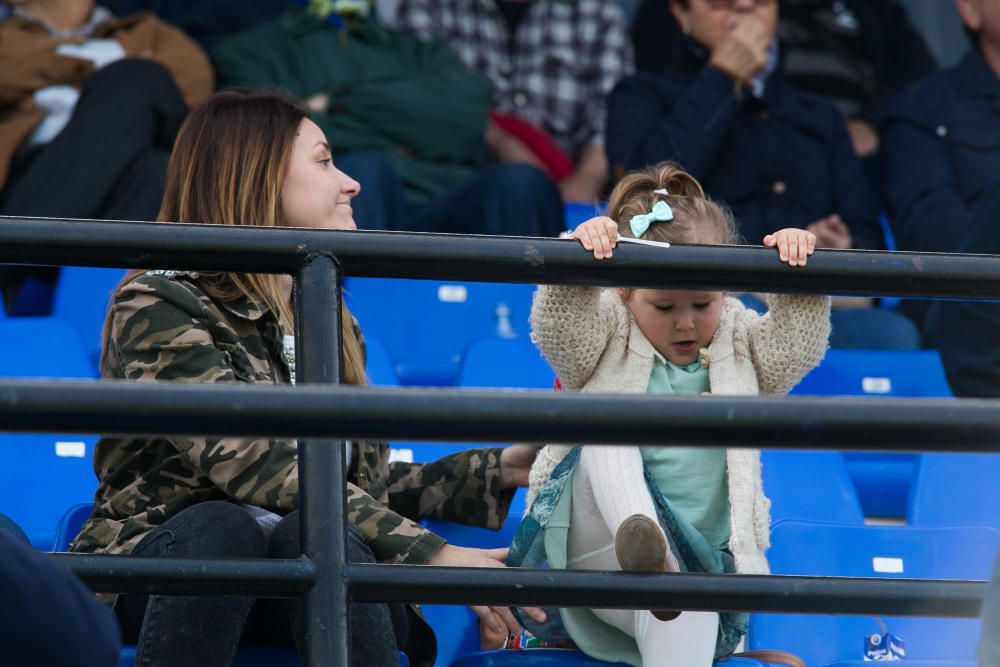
[227, 167]
[697, 219]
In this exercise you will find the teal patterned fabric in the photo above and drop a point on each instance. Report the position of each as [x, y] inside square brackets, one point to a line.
[693, 552]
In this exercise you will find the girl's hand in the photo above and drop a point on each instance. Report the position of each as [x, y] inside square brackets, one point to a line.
[599, 235]
[497, 618]
[794, 245]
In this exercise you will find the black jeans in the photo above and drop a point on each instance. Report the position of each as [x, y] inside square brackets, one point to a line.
[109, 162]
[202, 631]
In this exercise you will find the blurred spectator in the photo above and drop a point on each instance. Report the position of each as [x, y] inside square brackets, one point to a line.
[943, 144]
[378, 96]
[778, 158]
[854, 54]
[205, 21]
[48, 617]
[552, 64]
[89, 104]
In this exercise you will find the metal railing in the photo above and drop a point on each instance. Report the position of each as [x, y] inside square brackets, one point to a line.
[323, 416]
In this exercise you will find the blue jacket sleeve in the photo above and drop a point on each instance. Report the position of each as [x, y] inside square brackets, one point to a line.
[48, 616]
[927, 209]
[652, 119]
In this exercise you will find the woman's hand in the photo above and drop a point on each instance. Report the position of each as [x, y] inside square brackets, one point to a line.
[743, 52]
[599, 235]
[497, 618]
[794, 245]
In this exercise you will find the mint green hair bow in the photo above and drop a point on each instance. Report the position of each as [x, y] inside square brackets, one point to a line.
[640, 223]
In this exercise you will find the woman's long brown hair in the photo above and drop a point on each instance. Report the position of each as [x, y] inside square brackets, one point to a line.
[227, 168]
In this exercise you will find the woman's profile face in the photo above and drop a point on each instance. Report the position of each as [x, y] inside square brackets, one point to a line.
[710, 21]
[315, 193]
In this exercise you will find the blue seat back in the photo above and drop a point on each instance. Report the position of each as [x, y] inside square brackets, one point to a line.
[82, 299]
[903, 373]
[812, 548]
[426, 325]
[42, 347]
[505, 362]
[252, 656]
[809, 486]
[956, 489]
[576, 213]
[42, 476]
[70, 524]
[380, 369]
[882, 480]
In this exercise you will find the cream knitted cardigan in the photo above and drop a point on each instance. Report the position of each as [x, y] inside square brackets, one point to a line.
[594, 345]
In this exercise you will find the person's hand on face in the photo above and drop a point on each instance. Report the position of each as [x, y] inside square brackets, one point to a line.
[742, 52]
[831, 232]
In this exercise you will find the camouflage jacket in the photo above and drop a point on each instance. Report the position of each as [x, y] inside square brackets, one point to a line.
[166, 328]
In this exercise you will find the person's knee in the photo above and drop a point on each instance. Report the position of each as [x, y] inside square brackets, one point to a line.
[215, 529]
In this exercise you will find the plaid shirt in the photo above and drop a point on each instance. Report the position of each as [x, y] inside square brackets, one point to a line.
[568, 55]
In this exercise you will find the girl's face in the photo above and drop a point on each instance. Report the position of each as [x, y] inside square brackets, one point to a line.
[315, 193]
[677, 323]
[710, 21]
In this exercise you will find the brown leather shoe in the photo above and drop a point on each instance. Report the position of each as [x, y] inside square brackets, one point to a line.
[641, 547]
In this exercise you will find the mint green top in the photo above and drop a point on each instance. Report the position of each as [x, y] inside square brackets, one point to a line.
[692, 478]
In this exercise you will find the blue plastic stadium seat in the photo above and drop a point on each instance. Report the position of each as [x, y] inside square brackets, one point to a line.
[578, 212]
[82, 299]
[42, 476]
[956, 489]
[69, 525]
[42, 347]
[882, 480]
[505, 362]
[809, 486]
[378, 365]
[426, 325]
[812, 548]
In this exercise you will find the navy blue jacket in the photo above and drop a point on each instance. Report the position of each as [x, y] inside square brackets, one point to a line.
[781, 161]
[896, 52]
[47, 617]
[942, 143]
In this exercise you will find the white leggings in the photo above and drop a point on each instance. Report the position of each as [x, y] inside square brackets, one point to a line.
[609, 486]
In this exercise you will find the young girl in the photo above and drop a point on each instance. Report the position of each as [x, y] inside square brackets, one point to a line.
[650, 508]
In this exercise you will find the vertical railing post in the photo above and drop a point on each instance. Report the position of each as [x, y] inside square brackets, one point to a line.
[321, 467]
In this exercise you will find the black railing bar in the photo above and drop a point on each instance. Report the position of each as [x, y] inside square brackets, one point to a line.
[323, 517]
[514, 586]
[317, 411]
[758, 593]
[273, 577]
[489, 258]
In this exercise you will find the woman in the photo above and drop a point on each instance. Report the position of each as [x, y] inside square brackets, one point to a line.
[256, 159]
